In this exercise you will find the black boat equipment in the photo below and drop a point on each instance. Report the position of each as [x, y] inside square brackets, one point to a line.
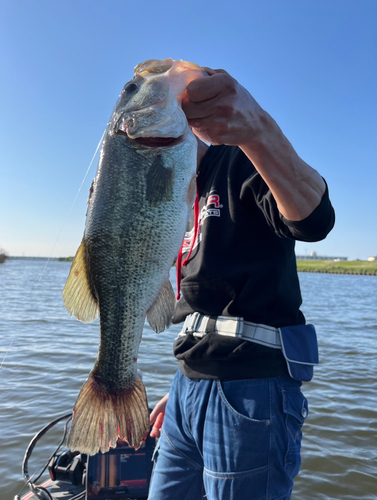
[123, 472]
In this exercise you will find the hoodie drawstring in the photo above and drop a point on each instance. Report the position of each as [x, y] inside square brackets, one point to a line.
[179, 262]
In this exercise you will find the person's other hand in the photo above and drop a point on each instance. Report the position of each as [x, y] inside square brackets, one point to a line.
[157, 416]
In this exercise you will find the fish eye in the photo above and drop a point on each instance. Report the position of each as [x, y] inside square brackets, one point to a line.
[130, 87]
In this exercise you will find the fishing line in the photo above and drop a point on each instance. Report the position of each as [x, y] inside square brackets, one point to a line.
[73, 204]
[56, 241]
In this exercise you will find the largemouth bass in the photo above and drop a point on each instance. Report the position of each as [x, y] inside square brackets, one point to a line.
[140, 203]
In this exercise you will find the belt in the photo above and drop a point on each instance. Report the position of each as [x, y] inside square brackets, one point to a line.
[298, 343]
[200, 325]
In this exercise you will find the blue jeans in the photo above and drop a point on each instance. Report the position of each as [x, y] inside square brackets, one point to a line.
[230, 440]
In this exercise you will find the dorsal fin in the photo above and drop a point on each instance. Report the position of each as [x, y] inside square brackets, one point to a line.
[77, 294]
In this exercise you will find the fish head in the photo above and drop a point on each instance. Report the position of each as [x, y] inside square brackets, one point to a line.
[149, 105]
[178, 73]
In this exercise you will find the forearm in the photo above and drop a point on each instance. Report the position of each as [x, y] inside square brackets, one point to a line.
[296, 187]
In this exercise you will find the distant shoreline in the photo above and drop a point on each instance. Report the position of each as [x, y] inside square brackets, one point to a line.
[343, 267]
[324, 266]
[360, 267]
[41, 259]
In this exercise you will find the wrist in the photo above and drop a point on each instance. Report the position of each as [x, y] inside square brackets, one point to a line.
[263, 135]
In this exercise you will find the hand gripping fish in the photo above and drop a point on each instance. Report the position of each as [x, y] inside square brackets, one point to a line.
[138, 212]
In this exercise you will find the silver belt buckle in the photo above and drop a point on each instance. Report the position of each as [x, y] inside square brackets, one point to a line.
[191, 322]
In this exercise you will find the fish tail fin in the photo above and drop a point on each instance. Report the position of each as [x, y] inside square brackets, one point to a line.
[101, 418]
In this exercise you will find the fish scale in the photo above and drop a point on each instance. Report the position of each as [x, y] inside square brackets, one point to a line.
[139, 208]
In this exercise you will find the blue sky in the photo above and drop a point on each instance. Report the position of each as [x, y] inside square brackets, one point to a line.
[310, 63]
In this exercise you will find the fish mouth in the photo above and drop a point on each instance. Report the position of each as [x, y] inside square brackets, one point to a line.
[153, 142]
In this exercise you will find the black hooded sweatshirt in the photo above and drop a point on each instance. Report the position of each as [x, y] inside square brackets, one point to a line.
[242, 264]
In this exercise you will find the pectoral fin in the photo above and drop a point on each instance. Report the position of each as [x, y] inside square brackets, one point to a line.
[160, 314]
[159, 183]
[77, 294]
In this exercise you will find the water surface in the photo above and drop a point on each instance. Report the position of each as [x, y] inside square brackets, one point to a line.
[48, 356]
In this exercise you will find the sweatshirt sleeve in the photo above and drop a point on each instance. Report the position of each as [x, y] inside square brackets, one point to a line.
[317, 225]
[255, 193]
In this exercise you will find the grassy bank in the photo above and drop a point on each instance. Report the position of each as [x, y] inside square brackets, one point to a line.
[323, 266]
[343, 267]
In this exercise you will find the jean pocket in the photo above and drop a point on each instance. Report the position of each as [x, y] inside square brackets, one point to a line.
[246, 399]
[295, 407]
[237, 430]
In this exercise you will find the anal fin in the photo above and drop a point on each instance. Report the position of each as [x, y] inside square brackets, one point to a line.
[160, 314]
